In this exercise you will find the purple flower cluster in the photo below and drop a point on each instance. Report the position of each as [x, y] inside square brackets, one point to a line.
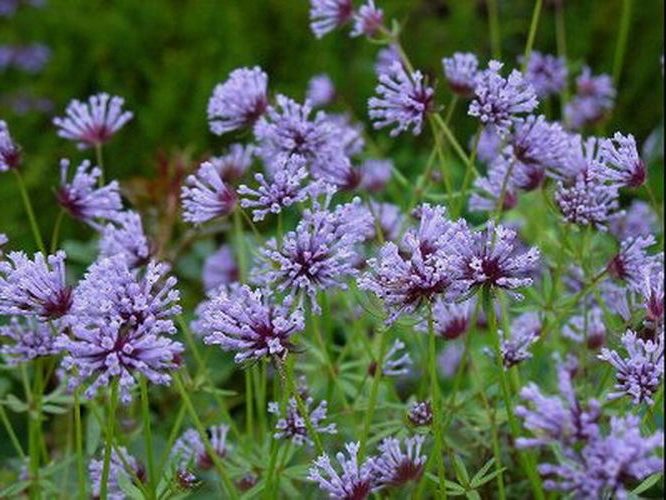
[292, 425]
[546, 73]
[233, 165]
[10, 153]
[595, 97]
[122, 466]
[206, 196]
[28, 58]
[189, 450]
[525, 330]
[125, 236]
[220, 268]
[461, 71]
[29, 339]
[321, 91]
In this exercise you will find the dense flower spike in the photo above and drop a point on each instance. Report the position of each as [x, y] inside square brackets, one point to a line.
[249, 322]
[491, 258]
[10, 153]
[639, 374]
[120, 322]
[318, 255]
[620, 163]
[126, 237]
[321, 91]
[546, 73]
[461, 71]
[189, 450]
[595, 97]
[395, 467]
[292, 425]
[426, 270]
[368, 21]
[327, 15]
[356, 481]
[420, 414]
[525, 330]
[122, 466]
[82, 198]
[233, 165]
[239, 101]
[205, 195]
[92, 123]
[498, 100]
[402, 100]
[220, 268]
[29, 339]
[632, 261]
[34, 287]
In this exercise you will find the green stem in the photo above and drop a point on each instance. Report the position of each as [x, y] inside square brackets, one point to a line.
[623, 35]
[249, 397]
[110, 420]
[494, 28]
[240, 244]
[533, 29]
[147, 431]
[435, 394]
[374, 389]
[80, 459]
[10, 432]
[455, 144]
[31, 214]
[56, 231]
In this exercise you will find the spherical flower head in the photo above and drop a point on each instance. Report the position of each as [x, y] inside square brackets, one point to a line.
[637, 220]
[420, 414]
[119, 323]
[328, 15]
[82, 198]
[587, 328]
[10, 153]
[220, 268]
[189, 450]
[356, 481]
[368, 21]
[425, 270]
[632, 261]
[595, 97]
[92, 123]
[395, 467]
[239, 101]
[285, 184]
[125, 236]
[121, 466]
[525, 330]
[640, 372]
[386, 56]
[29, 339]
[321, 91]
[233, 165]
[620, 164]
[461, 71]
[498, 100]
[498, 190]
[375, 174]
[402, 100]
[206, 196]
[34, 287]
[249, 322]
[450, 319]
[389, 221]
[586, 201]
[292, 425]
[491, 259]
[318, 255]
[546, 73]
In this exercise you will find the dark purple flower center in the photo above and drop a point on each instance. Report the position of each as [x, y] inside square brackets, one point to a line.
[70, 201]
[455, 328]
[405, 472]
[359, 491]
[638, 175]
[492, 270]
[11, 157]
[345, 11]
[258, 109]
[59, 304]
[96, 134]
[617, 268]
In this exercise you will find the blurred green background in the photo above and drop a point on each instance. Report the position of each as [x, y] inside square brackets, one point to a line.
[165, 57]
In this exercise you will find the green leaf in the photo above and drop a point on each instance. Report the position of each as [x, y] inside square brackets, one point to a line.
[478, 478]
[461, 471]
[128, 487]
[647, 483]
[15, 404]
[14, 489]
[93, 434]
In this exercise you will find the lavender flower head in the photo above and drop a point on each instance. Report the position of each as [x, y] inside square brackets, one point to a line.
[632, 261]
[639, 374]
[375, 174]
[321, 91]
[489, 145]
[395, 467]
[220, 268]
[318, 255]
[356, 481]
[426, 270]
[122, 465]
[205, 195]
[595, 97]
[498, 190]
[29, 339]
[451, 319]
[587, 202]
[461, 71]
[189, 450]
[402, 100]
[546, 73]
[249, 322]
[637, 220]
[498, 100]
[490, 258]
[292, 425]
[239, 101]
[620, 164]
[388, 221]
[10, 153]
[126, 237]
[120, 322]
[92, 123]
[34, 287]
[449, 359]
[3, 241]
[327, 15]
[420, 414]
[385, 58]
[82, 198]
[653, 298]
[368, 21]
[525, 330]
[587, 328]
[233, 165]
